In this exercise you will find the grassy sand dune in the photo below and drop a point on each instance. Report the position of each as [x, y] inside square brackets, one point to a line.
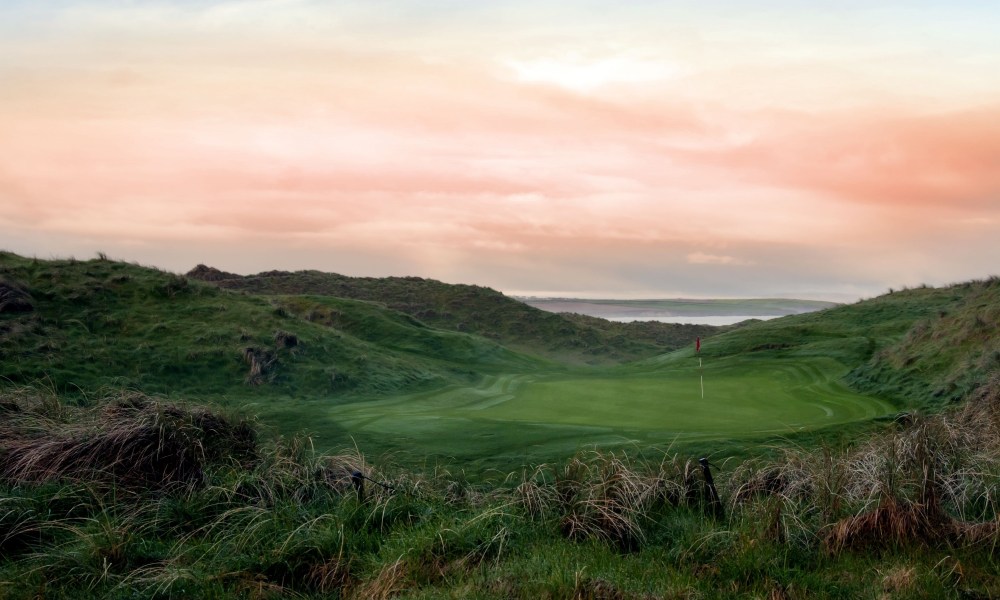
[492, 488]
[355, 371]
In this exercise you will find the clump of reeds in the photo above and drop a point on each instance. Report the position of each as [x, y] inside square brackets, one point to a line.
[262, 362]
[14, 297]
[130, 439]
[285, 339]
[892, 523]
[390, 582]
[601, 496]
[534, 494]
[586, 588]
[926, 481]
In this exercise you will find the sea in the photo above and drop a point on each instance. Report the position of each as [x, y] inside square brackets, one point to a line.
[716, 320]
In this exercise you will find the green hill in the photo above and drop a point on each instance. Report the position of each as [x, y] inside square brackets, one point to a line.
[921, 348]
[130, 496]
[948, 355]
[477, 310]
[81, 325]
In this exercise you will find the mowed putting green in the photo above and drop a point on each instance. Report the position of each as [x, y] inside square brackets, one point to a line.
[741, 396]
[546, 414]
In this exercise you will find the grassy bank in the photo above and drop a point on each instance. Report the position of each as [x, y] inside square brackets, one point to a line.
[91, 324]
[908, 513]
[369, 372]
[476, 310]
[871, 429]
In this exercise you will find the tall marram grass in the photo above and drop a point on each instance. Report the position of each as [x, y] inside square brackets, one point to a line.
[138, 497]
[604, 496]
[927, 481]
[131, 439]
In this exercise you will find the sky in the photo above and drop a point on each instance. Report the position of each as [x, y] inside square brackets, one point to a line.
[825, 150]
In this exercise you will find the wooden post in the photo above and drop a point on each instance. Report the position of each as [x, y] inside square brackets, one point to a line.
[711, 494]
[358, 479]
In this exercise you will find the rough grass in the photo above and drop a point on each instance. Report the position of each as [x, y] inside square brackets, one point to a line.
[910, 512]
[946, 355]
[133, 496]
[104, 323]
[14, 297]
[130, 440]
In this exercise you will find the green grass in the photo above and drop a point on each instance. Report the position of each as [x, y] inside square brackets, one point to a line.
[278, 520]
[375, 372]
[494, 491]
[100, 323]
[742, 397]
[477, 310]
[540, 416]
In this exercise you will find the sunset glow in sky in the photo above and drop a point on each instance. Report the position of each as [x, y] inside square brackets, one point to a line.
[641, 149]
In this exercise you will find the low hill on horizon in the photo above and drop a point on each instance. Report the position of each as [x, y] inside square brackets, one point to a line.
[478, 310]
[79, 326]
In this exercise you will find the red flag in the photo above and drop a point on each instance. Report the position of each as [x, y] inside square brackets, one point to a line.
[697, 344]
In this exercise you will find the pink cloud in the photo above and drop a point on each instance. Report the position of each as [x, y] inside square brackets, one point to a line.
[940, 160]
[432, 148]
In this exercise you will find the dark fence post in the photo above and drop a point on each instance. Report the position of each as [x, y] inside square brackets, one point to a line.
[358, 479]
[711, 494]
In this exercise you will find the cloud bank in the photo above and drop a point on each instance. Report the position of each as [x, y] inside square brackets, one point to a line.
[529, 147]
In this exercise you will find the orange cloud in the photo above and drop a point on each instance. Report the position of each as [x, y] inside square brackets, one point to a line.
[717, 148]
[898, 161]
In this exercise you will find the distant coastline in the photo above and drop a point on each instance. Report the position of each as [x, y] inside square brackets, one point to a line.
[680, 310]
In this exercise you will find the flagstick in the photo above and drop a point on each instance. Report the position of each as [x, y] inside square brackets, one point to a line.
[702, 378]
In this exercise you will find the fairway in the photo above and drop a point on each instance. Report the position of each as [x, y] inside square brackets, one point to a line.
[526, 416]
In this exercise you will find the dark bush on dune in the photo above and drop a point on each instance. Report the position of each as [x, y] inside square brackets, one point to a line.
[14, 297]
[206, 273]
[132, 440]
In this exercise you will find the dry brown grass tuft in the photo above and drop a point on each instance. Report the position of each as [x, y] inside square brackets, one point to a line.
[596, 589]
[789, 478]
[262, 362]
[329, 576]
[391, 581]
[131, 440]
[534, 495]
[899, 579]
[284, 339]
[892, 523]
[977, 534]
[778, 592]
[257, 587]
[605, 496]
[602, 496]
